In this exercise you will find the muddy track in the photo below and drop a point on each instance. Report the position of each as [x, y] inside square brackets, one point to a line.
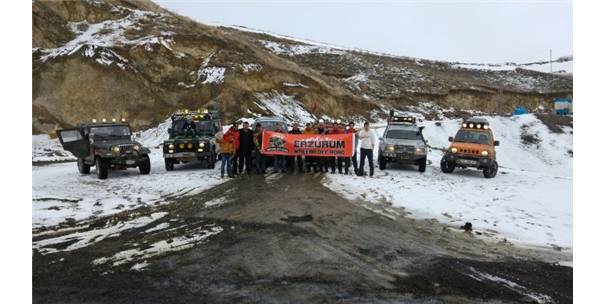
[288, 239]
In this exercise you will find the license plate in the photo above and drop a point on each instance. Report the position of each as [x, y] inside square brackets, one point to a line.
[403, 156]
[130, 162]
[468, 161]
[187, 154]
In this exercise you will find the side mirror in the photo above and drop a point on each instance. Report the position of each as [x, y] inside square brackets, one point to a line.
[450, 138]
[381, 138]
[496, 142]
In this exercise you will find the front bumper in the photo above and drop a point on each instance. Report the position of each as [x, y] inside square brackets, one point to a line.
[466, 161]
[189, 155]
[125, 160]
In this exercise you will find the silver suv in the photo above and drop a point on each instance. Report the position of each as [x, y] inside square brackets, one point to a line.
[403, 142]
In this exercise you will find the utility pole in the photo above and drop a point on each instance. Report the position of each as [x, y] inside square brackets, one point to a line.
[550, 62]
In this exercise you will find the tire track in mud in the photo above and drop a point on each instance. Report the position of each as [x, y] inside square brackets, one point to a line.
[287, 238]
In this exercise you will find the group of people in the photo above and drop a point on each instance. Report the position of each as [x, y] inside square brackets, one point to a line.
[240, 149]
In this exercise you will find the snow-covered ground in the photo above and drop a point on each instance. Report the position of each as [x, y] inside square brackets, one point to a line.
[60, 193]
[529, 201]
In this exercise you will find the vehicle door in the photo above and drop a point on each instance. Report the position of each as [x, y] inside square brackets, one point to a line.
[73, 141]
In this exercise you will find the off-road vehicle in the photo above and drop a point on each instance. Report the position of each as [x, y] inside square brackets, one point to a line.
[271, 123]
[192, 138]
[473, 146]
[403, 142]
[105, 145]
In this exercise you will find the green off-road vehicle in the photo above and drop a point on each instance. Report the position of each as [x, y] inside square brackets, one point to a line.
[192, 138]
[105, 145]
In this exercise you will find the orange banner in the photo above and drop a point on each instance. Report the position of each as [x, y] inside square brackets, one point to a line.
[274, 143]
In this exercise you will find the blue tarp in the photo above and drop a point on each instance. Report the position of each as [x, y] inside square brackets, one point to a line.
[520, 111]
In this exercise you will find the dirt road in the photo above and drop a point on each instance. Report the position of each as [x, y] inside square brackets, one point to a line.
[288, 239]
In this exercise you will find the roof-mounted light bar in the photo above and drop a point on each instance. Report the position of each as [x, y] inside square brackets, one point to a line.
[475, 125]
[402, 120]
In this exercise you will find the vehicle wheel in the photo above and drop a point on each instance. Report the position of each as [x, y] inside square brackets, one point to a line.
[446, 166]
[101, 167]
[82, 167]
[382, 163]
[422, 164]
[169, 164]
[491, 171]
[145, 166]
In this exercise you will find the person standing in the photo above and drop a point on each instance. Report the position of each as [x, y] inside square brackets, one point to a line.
[354, 159]
[234, 131]
[322, 160]
[247, 145]
[367, 144]
[336, 129]
[259, 158]
[226, 144]
[310, 161]
[279, 160]
[298, 158]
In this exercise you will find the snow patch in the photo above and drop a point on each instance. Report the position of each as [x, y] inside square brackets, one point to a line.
[284, 106]
[298, 49]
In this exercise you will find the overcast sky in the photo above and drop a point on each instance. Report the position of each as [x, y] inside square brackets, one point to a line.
[465, 31]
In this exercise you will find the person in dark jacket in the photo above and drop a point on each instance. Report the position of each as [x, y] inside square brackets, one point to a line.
[245, 149]
[279, 160]
[336, 129]
[298, 158]
[260, 159]
[322, 160]
[354, 158]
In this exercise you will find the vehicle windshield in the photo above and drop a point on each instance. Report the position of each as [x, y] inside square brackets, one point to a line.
[403, 134]
[272, 125]
[184, 127]
[110, 131]
[474, 137]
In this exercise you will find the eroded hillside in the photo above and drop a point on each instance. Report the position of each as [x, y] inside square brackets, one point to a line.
[127, 58]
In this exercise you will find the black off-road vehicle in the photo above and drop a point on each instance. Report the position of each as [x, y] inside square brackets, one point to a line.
[105, 145]
[192, 138]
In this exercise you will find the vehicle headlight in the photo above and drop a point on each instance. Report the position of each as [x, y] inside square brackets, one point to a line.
[137, 147]
[189, 146]
[484, 153]
[181, 146]
[116, 149]
[171, 146]
[453, 150]
[201, 145]
[391, 148]
[420, 150]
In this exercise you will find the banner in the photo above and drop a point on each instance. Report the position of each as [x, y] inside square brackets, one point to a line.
[341, 145]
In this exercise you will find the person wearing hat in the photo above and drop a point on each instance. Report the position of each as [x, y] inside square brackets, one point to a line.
[298, 158]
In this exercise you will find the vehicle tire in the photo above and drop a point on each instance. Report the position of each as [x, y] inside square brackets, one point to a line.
[491, 171]
[446, 166]
[422, 164]
[101, 168]
[145, 166]
[382, 162]
[169, 165]
[82, 167]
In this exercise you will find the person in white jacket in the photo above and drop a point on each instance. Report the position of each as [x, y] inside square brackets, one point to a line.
[367, 145]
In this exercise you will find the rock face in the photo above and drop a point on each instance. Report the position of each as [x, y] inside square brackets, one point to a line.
[128, 58]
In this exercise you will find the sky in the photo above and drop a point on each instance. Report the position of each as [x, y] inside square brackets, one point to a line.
[492, 31]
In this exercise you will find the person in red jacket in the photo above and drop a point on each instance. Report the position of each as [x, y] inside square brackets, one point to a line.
[354, 159]
[236, 135]
[336, 129]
